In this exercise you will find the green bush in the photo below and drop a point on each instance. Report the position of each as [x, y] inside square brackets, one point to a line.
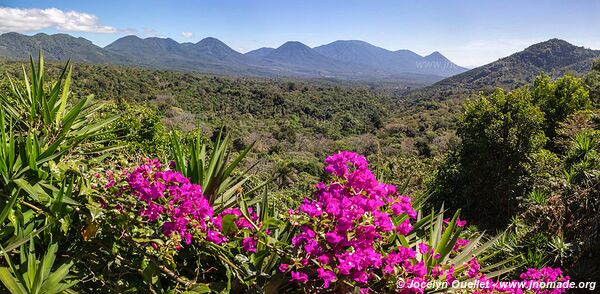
[47, 141]
[558, 99]
[499, 134]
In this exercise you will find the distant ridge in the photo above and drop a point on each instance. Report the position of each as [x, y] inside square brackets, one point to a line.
[56, 47]
[260, 52]
[554, 57]
[296, 55]
[398, 62]
[350, 59]
[208, 55]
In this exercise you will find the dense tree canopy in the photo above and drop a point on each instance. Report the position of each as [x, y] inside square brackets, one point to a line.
[499, 133]
[525, 162]
[559, 99]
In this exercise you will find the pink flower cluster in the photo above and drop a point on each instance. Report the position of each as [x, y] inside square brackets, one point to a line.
[533, 279]
[342, 230]
[167, 197]
[344, 233]
[241, 222]
[544, 281]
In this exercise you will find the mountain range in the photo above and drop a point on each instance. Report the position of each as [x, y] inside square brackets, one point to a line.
[346, 60]
[350, 60]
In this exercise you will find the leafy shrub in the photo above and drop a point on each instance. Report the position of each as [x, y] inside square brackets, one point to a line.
[483, 176]
[137, 129]
[357, 234]
[47, 140]
[592, 82]
[166, 218]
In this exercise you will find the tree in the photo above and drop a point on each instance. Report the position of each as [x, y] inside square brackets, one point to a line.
[499, 134]
[558, 100]
[137, 127]
[592, 82]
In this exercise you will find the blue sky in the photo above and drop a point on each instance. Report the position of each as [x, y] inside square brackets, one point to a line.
[468, 32]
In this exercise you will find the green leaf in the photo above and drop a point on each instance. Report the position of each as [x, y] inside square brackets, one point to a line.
[228, 224]
[49, 258]
[444, 247]
[35, 192]
[200, 288]
[72, 115]
[149, 274]
[24, 240]
[10, 282]
[55, 279]
[9, 206]
[64, 96]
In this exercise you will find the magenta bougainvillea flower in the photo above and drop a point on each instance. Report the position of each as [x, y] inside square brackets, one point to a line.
[168, 198]
[344, 230]
[344, 233]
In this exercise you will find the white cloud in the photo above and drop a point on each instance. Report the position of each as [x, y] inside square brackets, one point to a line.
[188, 35]
[27, 20]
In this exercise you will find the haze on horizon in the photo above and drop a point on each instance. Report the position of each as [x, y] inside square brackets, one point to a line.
[470, 33]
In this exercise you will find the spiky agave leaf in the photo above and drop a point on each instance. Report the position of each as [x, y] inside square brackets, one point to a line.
[221, 180]
[41, 124]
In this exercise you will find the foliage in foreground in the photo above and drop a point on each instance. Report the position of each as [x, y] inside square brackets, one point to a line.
[355, 234]
[46, 142]
[529, 159]
[199, 225]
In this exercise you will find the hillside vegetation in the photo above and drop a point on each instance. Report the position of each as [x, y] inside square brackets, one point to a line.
[127, 180]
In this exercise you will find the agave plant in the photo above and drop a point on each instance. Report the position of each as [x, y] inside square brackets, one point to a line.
[537, 196]
[583, 161]
[46, 140]
[560, 248]
[443, 236]
[39, 131]
[433, 230]
[256, 272]
[32, 275]
[221, 183]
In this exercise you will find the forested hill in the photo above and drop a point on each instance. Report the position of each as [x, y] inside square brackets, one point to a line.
[323, 108]
[554, 57]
